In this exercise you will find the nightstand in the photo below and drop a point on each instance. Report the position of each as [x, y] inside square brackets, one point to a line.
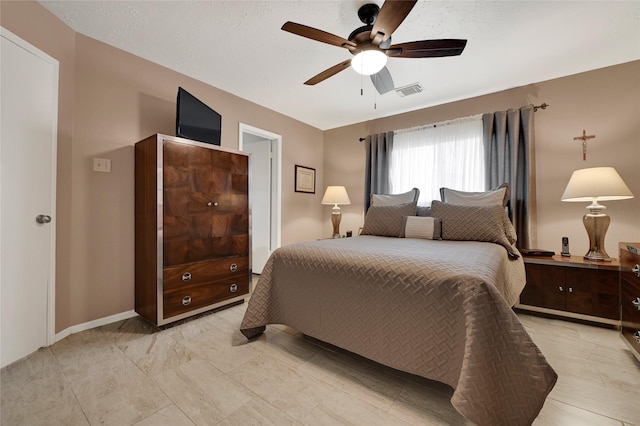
[572, 287]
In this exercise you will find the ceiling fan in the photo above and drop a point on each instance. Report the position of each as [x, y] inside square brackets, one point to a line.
[372, 42]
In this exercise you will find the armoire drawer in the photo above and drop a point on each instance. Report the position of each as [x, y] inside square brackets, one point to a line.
[203, 272]
[197, 296]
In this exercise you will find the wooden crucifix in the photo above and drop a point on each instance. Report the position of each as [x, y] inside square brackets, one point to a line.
[584, 139]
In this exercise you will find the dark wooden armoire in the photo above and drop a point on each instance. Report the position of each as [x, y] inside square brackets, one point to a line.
[192, 245]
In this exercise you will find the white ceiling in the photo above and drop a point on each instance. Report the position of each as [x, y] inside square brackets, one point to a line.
[238, 46]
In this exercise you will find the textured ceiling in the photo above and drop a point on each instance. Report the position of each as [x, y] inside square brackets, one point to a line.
[238, 47]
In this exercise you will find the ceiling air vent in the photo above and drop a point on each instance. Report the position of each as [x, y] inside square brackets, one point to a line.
[409, 90]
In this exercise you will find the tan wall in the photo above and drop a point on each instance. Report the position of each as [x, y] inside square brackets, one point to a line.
[109, 100]
[603, 102]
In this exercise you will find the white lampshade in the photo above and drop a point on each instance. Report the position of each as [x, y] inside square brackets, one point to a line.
[336, 195]
[369, 62]
[596, 184]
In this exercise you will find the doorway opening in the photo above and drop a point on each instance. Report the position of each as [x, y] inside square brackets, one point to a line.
[265, 176]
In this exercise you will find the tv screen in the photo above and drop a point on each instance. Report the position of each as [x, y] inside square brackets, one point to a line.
[195, 120]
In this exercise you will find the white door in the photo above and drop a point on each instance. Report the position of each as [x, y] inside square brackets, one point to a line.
[264, 192]
[29, 114]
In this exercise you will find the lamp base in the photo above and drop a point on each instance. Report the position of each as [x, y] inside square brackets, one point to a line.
[336, 216]
[596, 223]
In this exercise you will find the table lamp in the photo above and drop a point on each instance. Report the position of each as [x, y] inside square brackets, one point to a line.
[593, 185]
[336, 195]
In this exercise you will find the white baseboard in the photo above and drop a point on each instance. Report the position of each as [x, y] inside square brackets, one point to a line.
[93, 324]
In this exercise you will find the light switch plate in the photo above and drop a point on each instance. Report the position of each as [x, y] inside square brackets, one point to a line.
[101, 165]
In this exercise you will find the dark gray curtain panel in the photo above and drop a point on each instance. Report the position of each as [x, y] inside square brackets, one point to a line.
[378, 154]
[510, 157]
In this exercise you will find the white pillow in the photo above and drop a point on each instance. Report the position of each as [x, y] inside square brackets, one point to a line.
[487, 198]
[425, 227]
[393, 199]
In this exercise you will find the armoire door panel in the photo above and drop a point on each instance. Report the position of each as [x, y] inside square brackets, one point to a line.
[176, 228]
[221, 181]
[201, 226]
[175, 177]
[235, 245]
[178, 251]
[175, 155]
[238, 224]
[240, 183]
[201, 180]
[220, 225]
[175, 202]
[231, 203]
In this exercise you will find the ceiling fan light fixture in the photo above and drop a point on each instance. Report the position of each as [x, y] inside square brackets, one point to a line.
[369, 62]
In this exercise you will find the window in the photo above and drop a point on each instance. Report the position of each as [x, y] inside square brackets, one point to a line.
[448, 154]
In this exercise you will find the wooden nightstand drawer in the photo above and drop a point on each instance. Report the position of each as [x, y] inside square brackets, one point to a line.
[630, 296]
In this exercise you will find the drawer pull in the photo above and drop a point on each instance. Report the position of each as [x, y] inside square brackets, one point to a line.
[233, 267]
[186, 300]
[560, 288]
[636, 270]
[570, 289]
[233, 288]
[636, 303]
[186, 276]
[210, 204]
[636, 336]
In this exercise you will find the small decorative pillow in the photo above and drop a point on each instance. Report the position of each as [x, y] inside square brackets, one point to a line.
[474, 223]
[393, 199]
[499, 196]
[386, 221]
[428, 228]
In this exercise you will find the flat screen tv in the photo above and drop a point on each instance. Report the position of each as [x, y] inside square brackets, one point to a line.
[195, 120]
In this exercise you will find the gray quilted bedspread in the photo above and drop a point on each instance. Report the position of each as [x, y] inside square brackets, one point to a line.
[438, 309]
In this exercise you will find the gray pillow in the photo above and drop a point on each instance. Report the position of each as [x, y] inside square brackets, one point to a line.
[394, 199]
[386, 221]
[474, 223]
[423, 211]
[500, 195]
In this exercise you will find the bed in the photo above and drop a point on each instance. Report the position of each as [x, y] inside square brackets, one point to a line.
[440, 309]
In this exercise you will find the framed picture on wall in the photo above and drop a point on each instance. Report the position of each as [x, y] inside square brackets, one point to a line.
[305, 179]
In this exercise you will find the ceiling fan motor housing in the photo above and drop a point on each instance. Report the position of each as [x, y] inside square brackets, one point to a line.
[368, 13]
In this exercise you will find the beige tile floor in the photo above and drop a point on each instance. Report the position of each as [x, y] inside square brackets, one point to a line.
[204, 372]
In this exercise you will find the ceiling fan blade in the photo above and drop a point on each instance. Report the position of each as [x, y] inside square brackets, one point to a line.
[318, 35]
[328, 73]
[427, 48]
[389, 19]
[383, 81]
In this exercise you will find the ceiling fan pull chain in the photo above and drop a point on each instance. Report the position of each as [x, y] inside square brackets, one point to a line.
[375, 105]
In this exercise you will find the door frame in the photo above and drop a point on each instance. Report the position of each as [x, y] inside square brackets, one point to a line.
[51, 281]
[276, 177]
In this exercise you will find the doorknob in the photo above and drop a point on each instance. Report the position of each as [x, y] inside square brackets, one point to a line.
[43, 218]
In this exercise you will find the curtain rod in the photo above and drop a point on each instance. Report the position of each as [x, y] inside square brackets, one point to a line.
[544, 105]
